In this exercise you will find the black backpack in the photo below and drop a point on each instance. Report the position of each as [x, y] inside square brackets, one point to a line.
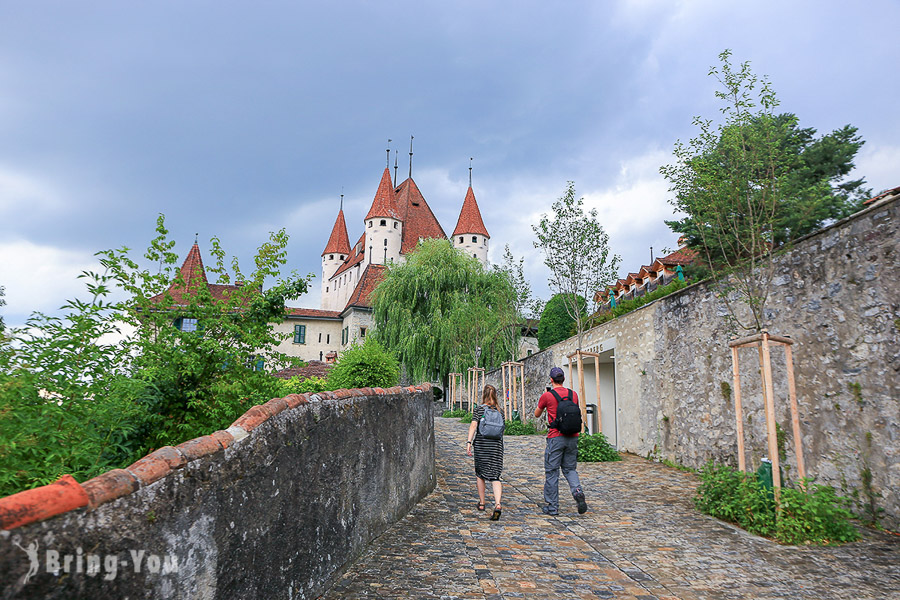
[568, 414]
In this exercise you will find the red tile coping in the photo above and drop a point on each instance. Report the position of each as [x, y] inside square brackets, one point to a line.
[42, 503]
[67, 494]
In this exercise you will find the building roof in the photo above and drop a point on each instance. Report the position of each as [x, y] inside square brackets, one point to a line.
[356, 256]
[682, 256]
[470, 220]
[339, 242]
[314, 368]
[362, 295]
[311, 313]
[384, 204]
[418, 220]
[885, 194]
[193, 276]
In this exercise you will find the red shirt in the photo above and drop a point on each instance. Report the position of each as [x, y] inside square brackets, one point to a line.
[549, 402]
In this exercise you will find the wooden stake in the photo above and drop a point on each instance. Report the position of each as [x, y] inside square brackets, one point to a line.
[769, 400]
[738, 409]
[795, 411]
[522, 375]
[599, 410]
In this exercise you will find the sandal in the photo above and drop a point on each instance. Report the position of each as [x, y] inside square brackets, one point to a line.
[481, 506]
[496, 514]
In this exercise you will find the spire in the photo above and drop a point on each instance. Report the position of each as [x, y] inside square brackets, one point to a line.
[192, 271]
[384, 204]
[388, 165]
[395, 167]
[470, 217]
[338, 243]
[470, 171]
[410, 156]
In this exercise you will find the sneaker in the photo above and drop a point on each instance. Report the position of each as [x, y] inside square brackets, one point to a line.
[546, 510]
[579, 499]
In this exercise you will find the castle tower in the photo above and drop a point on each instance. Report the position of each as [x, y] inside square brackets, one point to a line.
[470, 235]
[336, 251]
[383, 225]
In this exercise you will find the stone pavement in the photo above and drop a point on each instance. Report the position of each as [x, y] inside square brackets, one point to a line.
[641, 539]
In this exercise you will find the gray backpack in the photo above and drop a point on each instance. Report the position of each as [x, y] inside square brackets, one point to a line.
[491, 424]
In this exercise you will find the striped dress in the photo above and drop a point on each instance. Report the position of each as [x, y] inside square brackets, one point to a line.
[488, 453]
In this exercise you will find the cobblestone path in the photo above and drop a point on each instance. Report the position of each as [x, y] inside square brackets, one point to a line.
[641, 539]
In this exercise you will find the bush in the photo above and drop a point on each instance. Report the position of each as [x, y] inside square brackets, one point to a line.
[366, 365]
[517, 427]
[814, 515]
[630, 305]
[303, 385]
[596, 448]
[456, 413]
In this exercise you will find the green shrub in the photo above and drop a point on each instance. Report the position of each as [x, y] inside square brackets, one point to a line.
[630, 305]
[303, 385]
[456, 413]
[366, 365]
[815, 515]
[596, 448]
[466, 417]
[519, 428]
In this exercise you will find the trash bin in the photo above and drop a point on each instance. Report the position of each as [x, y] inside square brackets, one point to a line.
[764, 475]
[591, 413]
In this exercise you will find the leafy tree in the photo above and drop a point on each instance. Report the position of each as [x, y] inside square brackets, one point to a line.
[2, 303]
[523, 303]
[364, 365]
[753, 183]
[73, 400]
[576, 250]
[556, 323]
[441, 310]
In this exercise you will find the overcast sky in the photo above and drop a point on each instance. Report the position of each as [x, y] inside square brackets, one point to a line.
[238, 118]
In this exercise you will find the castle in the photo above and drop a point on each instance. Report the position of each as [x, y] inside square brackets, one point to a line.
[398, 219]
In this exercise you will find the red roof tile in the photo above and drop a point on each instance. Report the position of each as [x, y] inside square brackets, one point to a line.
[384, 204]
[470, 217]
[338, 243]
[312, 313]
[682, 256]
[194, 276]
[314, 368]
[892, 192]
[357, 254]
[362, 295]
[418, 220]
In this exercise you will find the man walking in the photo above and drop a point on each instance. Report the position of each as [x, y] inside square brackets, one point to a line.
[562, 446]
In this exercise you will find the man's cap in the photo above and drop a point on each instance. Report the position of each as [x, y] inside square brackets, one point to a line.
[556, 373]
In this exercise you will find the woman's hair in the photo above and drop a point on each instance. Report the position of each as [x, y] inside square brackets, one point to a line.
[489, 396]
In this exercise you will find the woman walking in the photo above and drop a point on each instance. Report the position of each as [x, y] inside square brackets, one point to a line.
[488, 453]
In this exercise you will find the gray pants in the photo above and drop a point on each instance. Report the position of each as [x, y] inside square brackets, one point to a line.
[561, 452]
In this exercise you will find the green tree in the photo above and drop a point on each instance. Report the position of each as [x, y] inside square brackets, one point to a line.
[441, 310]
[754, 182]
[556, 324]
[109, 379]
[364, 365]
[576, 250]
[523, 304]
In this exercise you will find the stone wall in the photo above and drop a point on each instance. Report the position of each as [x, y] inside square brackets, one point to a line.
[836, 294]
[274, 507]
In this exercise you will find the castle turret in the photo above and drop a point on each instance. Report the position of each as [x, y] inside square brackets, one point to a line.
[336, 252]
[470, 235]
[384, 225]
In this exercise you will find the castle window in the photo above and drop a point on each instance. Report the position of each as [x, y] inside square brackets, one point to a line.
[186, 324]
[385, 242]
[320, 337]
[370, 223]
[460, 239]
[529, 352]
[474, 239]
[362, 332]
[383, 222]
[328, 339]
[396, 224]
[331, 257]
[474, 256]
[342, 257]
[299, 334]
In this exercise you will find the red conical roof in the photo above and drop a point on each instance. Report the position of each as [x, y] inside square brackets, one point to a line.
[384, 204]
[192, 271]
[339, 242]
[470, 217]
[418, 220]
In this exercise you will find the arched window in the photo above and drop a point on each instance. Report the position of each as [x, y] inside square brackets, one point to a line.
[370, 223]
[460, 239]
[383, 222]
[396, 224]
[474, 239]
[385, 242]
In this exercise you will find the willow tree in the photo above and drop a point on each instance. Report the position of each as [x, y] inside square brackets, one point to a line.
[441, 310]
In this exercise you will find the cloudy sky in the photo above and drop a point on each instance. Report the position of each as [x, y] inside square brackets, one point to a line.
[238, 118]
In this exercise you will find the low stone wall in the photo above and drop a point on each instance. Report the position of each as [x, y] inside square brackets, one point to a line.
[837, 296]
[274, 507]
